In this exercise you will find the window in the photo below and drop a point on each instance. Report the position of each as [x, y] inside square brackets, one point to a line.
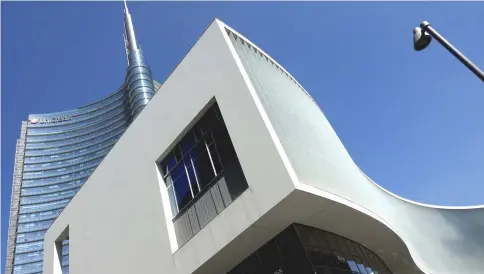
[294, 252]
[65, 256]
[194, 163]
[202, 174]
[336, 254]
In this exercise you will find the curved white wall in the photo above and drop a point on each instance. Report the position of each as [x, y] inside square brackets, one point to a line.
[439, 240]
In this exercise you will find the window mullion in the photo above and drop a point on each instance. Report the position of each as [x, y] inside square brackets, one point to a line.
[210, 156]
[214, 144]
[188, 177]
[195, 173]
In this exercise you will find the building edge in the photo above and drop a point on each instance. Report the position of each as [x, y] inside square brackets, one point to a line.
[15, 198]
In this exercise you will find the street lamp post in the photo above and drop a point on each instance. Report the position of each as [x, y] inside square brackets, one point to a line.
[422, 36]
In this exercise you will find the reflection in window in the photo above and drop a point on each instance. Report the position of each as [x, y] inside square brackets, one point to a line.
[195, 162]
[353, 266]
[325, 252]
[285, 253]
[202, 174]
[338, 254]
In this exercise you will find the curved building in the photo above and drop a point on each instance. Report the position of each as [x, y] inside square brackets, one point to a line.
[249, 176]
[57, 152]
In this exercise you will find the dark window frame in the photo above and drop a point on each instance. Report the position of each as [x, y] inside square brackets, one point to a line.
[186, 157]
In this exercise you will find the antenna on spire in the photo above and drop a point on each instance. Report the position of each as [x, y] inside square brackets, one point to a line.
[139, 96]
[129, 35]
[125, 6]
[126, 47]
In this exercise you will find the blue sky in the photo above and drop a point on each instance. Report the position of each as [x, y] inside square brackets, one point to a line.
[411, 121]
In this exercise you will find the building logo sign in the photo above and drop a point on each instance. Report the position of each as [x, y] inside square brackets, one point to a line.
[50, 120]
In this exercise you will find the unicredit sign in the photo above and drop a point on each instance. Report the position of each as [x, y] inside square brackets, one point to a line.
[50, 120]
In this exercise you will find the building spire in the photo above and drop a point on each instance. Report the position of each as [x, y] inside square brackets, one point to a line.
[138, 83]
[129, 35]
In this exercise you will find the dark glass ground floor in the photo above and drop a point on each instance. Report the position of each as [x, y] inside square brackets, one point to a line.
[301, 249]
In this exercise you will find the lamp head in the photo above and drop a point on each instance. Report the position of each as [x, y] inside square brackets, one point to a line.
[421, 39]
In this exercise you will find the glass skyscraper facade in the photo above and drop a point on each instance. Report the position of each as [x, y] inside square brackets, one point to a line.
[57, 152]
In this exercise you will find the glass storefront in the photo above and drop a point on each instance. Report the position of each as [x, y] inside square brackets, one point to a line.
[300, 249]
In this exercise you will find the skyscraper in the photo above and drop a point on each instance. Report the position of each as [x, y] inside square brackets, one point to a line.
[57, 152]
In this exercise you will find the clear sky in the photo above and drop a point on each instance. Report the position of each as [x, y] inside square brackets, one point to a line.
[412, 121]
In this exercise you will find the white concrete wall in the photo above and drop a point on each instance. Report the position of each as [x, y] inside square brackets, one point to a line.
[440, 240]
[117, 223]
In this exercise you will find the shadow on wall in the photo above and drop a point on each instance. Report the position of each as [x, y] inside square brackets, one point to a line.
[469, 226]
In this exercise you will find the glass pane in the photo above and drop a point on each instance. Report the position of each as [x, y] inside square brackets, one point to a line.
[169, 163]
[203, 126]
[216, 158]
[360, 265]
[187, 142]
[353, 266]
[197, 150]
[339, 271]
[376, 263]
[270, 257]
[293, 256]
[251, 264]
[173, 203]
[193, 180]
[168, 181]
[177, 172]
[362, 269]
[332, 241]
[203, 168]
[329, 258]
[366, 253]
[208, 138]
[198, 132]
[218, 115]
[341, 261]
[315, 256]
[236, 270]
[363, 255]
[322, 270]
[182, 190]
[319, 239]
[351, 247]
[304, 233]
[343, 248]
[177, 153]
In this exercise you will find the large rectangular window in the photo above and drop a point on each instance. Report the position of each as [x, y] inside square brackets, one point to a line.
[202, 174]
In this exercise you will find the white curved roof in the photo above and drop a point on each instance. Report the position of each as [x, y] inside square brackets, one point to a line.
[440, 239]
